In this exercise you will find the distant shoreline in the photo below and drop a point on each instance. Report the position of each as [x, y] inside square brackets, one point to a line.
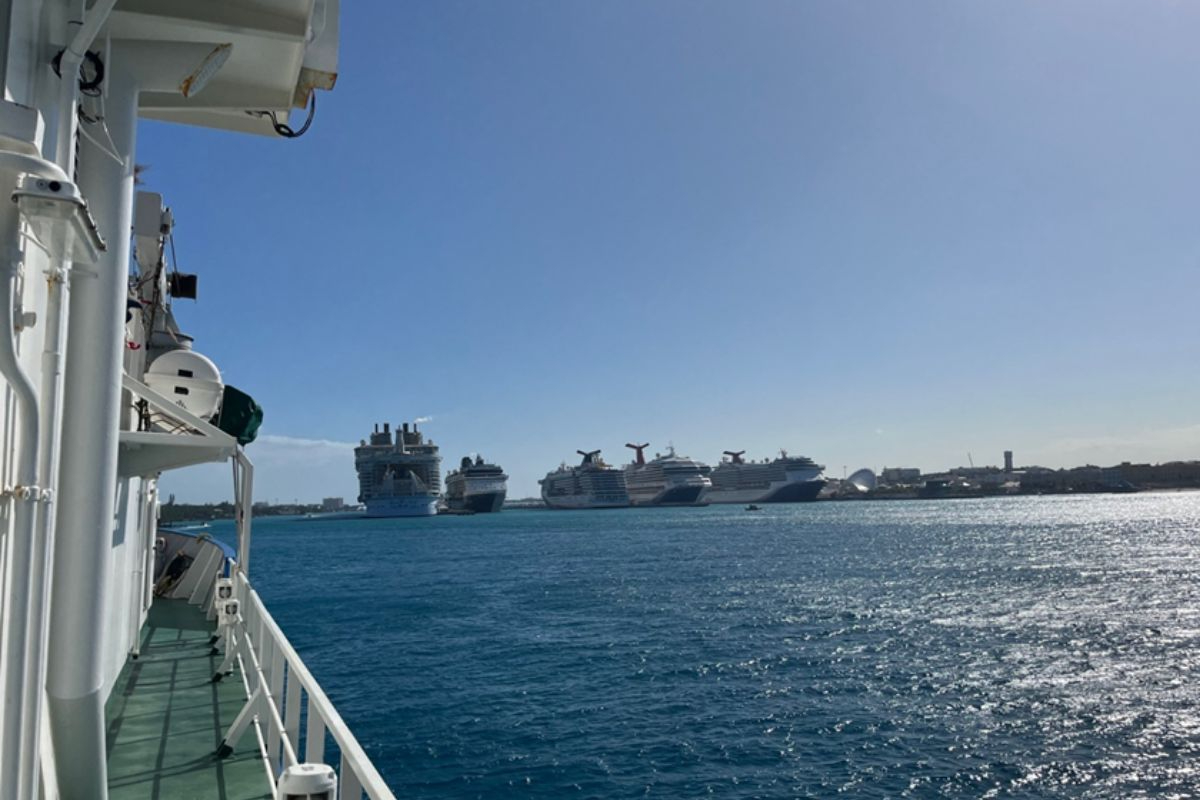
[184, 522]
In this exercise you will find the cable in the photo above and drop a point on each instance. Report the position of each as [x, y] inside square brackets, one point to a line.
[83, 131]
[89, 86]
[174, 260]
[285, 130]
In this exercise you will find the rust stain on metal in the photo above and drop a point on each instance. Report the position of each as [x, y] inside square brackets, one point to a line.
[209, 66]
[309, 80]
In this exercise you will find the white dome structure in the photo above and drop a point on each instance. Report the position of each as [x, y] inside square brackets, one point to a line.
[189, 379]
[864, 480]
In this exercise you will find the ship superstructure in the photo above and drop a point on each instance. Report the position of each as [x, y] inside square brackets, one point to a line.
[120, 639]
[476, 486]
[670, 480]
[400, 478]
[786, 479]
[592, 484]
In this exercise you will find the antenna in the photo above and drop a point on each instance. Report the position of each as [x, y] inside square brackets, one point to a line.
[970, 460]
[736, 457]
[639, 459]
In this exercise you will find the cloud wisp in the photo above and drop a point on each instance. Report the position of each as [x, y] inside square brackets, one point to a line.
[285, 468]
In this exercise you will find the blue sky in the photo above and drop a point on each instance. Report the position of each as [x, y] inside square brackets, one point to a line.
[877, 234]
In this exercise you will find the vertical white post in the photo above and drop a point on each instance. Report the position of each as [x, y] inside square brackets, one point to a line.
[291, 708]
[314, 736]
[91, 411]
[139, 573]
[275, 687]
[348, 786]
[16, 717]
[151, 539]
[245, 509]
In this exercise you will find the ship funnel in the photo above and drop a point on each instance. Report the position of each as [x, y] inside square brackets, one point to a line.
[406, 427]
[387, 427]
[736, 456]
[640, 458]
[589, 456]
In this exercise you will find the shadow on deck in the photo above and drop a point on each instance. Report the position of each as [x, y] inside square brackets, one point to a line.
[166, 717]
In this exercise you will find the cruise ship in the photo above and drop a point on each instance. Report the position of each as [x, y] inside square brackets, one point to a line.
[401, 478]
[670, 480]
[476, 486]
[787, 479]
[592, 484]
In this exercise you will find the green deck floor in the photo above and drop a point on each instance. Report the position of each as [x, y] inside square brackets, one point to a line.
[166, 718]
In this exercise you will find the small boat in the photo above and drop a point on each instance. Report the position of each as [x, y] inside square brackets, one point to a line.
[753, 507]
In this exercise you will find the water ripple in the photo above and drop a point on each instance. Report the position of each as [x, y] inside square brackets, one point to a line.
[1034, 647]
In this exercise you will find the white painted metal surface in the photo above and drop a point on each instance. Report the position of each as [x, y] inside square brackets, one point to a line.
[95, 345]
[77, 535]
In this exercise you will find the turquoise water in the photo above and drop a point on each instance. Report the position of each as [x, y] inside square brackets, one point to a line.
[1032, 647]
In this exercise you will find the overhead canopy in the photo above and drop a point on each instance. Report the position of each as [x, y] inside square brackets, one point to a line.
[282, 50]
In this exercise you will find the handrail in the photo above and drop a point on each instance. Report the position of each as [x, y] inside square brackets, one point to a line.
[261, 680]
[258, 629]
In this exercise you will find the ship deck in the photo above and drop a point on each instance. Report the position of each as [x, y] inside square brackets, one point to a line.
[166, 717]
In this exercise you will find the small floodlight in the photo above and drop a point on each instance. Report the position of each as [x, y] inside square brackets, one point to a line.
[59, 218]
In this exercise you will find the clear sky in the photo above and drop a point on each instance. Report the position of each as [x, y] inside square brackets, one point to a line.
[878, 234]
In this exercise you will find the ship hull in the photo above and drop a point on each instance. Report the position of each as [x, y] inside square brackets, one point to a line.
[578, 502]
[672, 496]
[408, 506]
[791, 492]
[480, 502]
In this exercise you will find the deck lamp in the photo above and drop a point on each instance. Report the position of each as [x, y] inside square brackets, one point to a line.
[59, 218]
[307, 782]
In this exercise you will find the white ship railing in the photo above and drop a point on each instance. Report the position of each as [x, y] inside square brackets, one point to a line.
[281, 695]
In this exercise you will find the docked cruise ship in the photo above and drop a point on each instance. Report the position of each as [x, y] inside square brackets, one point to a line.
[592, 484]
[401, 478]
[670, 480]
[476, 486]
[787, 479]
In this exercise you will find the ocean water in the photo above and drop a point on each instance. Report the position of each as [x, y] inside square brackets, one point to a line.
[1024, 647]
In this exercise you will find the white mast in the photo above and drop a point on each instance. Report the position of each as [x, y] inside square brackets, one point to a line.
[90, 429]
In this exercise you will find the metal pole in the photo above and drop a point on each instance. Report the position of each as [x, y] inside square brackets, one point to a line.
[27, 601]
[245, 510]
[23, 498]
[87, 480]
[24, 653]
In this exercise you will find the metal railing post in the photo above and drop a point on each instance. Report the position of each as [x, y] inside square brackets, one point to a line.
[281, 693]
[245, 508]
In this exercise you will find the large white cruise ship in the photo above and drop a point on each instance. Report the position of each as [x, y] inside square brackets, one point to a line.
[400, 479]
[787, 479]
[670, 480]
[592, 484]
[476, 486]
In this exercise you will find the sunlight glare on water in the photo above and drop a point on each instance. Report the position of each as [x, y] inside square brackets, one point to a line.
[1015, 647]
